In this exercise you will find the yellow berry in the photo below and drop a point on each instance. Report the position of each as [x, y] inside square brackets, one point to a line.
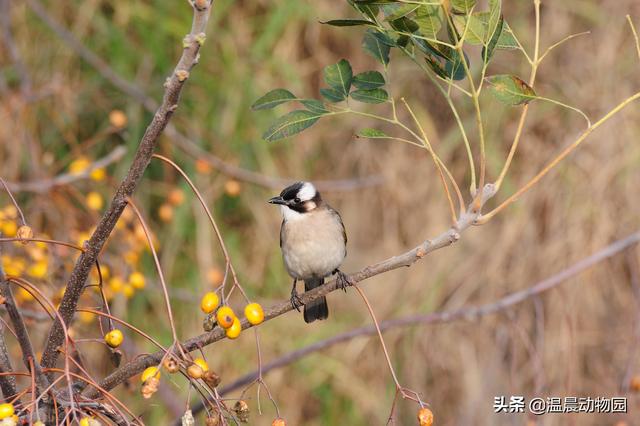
[22, 295]
[23, 232]
[165, 212]
[209, 302]
[234, 331]
[10, 211]
[13, 266]
[136, 279]
[128, 291]
[254, 313]
[116, 284]
[79, 165]
[105, 271]
[278, 422]
[425, 417]
[82, 237]
[98, 174]
[635, 383]
[171, 365]
[118, 118]
[114, 338]
[149, 373]
[176, 197]
[232, 188]
[94, 201]
[131, 257]
[195, 371]
[89, 421]
[39, 423]
[9, 228]
[202, 364]
[6, 410]
[85, 317]
[38, 269]
[225, 316]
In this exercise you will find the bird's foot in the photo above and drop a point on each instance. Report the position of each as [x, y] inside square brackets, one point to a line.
[343, 280]
[296, 302]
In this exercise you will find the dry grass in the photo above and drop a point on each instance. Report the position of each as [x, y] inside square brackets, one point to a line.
[580, 339]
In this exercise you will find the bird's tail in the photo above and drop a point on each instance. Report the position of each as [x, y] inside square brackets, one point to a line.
[318, 309]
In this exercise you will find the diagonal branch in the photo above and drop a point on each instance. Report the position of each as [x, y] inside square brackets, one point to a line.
[406, 259]
[173, 87]
[44, 185]
[467, 313]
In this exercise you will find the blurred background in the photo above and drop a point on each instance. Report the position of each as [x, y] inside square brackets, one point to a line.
[59, 114]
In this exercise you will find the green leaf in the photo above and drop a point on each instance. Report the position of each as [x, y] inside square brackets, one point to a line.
[435, 65]
[495, 13]
[314, 105]
[510, 89]
[348, 22]
[478, 28]
[429, 19]
[427, 48]
[402, 40]
[370, 11]
[487, 51]
[290, 124]
[332, 95]
[370, 96]
[273, 99]
[339, 76]
[393, 12]
[462, 6]
[376, 47]
[372, 133]
[404, 25]
[377, 2]
[453, 65]
[368, 80]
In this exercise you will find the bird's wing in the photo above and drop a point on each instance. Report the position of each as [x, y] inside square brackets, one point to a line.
[281, 232]
[344, 232]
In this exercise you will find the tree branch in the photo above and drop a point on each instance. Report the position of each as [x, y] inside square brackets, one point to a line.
[22, 335]
[406, 259]
[173, 87]
[468, 313]
[44, 185]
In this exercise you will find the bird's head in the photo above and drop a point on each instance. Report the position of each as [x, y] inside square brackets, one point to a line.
[301, 197]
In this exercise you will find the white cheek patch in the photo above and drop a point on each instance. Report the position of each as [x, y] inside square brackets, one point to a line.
[307, 192]
[289, 214]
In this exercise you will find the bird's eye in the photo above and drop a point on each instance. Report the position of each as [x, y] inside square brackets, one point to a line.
[296, 200]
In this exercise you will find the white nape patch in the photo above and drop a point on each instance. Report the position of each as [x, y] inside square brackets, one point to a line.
[307, 192]
[289, 214]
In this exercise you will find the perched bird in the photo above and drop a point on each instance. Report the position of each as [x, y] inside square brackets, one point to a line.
[313, 243]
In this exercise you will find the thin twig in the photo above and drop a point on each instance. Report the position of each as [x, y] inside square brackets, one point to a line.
[469, 313]
[44, 185]
[22, 335]
[568, 150]
[406, 259]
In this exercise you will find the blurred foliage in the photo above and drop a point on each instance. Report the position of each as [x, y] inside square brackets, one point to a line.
[577, 341]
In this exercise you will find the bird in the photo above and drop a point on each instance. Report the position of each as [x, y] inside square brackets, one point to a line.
[313, 241]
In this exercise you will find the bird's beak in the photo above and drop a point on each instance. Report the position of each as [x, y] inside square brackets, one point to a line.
[277, 200]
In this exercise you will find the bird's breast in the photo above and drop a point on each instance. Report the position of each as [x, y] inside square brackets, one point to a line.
[313, 245]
